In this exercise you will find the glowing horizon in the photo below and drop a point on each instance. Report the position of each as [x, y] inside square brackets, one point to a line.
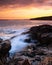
[25, 10]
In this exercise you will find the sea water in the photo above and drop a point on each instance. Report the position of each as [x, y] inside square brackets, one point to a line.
[13, 29]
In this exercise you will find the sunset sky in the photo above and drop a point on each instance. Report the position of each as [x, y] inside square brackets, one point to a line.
[25, 9]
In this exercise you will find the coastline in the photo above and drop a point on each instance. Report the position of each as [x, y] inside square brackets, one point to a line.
[34, 52]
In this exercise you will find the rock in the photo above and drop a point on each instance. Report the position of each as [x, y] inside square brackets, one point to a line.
[31, 46]
[32, 54]
[42, 33]
[29, 50]
[35, 63]
[38, 58]
[1, 40]
[45, 38]
[26, 62]
[27, 40]
[5, 46]
[1, 63]
[29, 54]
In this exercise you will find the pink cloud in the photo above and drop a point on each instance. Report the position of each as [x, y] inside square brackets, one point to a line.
[25, 2]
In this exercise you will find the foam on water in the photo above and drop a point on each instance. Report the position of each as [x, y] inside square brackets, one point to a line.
[17, 42]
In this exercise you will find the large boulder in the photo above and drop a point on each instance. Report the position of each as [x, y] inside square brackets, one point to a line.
[42, 34]
[5, 46]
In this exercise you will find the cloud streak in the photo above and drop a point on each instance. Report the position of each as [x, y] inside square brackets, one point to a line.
[25, 2]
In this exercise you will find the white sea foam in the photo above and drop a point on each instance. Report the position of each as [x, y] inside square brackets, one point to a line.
[18, 43]
[16, 38]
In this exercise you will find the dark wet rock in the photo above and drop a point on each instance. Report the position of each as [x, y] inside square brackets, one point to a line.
[1, 40]
[26, 62]
[5, 46]
[27, 40]
[40, 52]
[31, 46]
[29, 54]
[46, 38]
[38, 59]
[41, 28]
[29, 50]
[42, 33]
[1, 63]
[32, 54]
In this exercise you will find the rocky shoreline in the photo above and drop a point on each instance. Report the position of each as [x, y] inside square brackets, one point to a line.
[38, 51]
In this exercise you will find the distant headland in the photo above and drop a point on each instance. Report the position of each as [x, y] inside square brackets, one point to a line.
[42, 18]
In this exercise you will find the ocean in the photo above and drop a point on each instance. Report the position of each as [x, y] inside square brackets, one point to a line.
[14, 28]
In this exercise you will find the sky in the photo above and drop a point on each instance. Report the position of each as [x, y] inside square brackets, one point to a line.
[25, 9]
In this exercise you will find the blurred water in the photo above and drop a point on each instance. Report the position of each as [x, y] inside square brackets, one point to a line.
[14, 28]
[18, 24]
